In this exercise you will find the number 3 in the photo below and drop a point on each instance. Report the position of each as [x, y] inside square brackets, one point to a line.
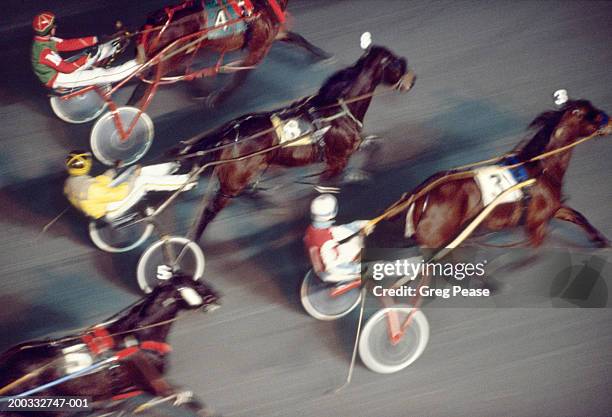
[497, 179]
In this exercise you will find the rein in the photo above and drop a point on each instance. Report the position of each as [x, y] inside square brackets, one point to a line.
[406, 200]
[339, 103]
[401, 204]
[95, 366]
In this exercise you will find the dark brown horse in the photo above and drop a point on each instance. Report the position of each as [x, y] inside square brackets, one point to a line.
[336, 112]
[441, 213]
[261, 27]
[128, 335]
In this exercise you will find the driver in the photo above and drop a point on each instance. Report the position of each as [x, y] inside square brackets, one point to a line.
[98, 196]
[334, 262]
[55, 72]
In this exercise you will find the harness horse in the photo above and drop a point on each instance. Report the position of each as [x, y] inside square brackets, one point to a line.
[446, 209]
[123, 356]
[168, 48]
[324, 127]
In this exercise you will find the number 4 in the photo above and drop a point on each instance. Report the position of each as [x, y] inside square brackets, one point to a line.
[221, 19]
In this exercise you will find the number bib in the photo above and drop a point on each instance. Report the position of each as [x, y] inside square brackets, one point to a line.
[494, 180]
[218, 18]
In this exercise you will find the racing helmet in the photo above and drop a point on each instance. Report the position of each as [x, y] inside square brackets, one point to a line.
[78, 162]
[324, 208]
[43, 23]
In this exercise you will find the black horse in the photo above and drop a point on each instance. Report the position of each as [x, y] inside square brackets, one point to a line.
[332, 120]
[135, 338]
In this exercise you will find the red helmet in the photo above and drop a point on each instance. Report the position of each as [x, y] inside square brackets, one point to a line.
[43, 23]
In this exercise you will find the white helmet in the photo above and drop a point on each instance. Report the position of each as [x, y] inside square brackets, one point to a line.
[324, 208]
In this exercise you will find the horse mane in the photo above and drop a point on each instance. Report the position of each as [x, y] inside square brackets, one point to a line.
[136, 311]
[545, 124]
[159, 17]
[338, 83]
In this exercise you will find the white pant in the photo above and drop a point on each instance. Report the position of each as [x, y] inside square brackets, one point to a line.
[151, 178]
[95, 76]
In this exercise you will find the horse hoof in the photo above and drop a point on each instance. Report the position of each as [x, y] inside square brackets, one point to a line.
[326, 60]
[356, 176]
[212, 100]
[370, 142]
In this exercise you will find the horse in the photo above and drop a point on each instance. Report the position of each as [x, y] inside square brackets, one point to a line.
[334, 115]
[125, 354]
[445, 207]
[264, 23]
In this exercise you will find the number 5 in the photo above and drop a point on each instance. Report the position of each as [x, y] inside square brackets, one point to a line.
[164, 272]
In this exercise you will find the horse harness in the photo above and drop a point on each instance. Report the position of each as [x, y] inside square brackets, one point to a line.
[101, 345]
[492, 180]
[99, 341]
[309, 123]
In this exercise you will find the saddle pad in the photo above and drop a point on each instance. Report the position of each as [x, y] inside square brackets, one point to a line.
[76, 358]
[217, 17]
[291, 129]
[494, 180]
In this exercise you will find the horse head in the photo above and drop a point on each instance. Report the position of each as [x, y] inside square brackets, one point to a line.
[392, 69]
[574, 120]
[583, 119]
[181, 292]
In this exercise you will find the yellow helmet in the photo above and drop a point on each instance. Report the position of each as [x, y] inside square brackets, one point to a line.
[78, 163]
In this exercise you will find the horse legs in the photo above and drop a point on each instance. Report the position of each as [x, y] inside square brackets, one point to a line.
[298, 40]
[255, 57]
[138, 94]
[208, 213]
[570, 215]
[150, 377]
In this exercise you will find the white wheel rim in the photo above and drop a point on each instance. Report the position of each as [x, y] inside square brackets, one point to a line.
[367, 356]
[101, 244]
[141, 270]
[95, 137]
[58, 110]
[312, 310]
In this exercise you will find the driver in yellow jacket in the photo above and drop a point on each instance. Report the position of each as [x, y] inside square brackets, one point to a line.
[100, 195]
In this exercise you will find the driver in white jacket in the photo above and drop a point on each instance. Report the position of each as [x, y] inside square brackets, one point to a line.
[332, 261]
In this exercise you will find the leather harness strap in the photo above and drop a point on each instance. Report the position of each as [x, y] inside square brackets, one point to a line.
[99, 341]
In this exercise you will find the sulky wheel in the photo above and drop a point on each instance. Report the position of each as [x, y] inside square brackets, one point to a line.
[81, 108]
[378, 352]
[318, 301]
[117, 238]
[168, 256]
[108, 144]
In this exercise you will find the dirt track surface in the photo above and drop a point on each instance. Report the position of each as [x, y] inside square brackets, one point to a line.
[485, 70]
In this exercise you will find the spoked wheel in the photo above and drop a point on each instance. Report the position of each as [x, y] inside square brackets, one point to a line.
[81, 108]
[107, 142]
[376, 348]
[117, 237]
[320, 303]
[166, 257]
